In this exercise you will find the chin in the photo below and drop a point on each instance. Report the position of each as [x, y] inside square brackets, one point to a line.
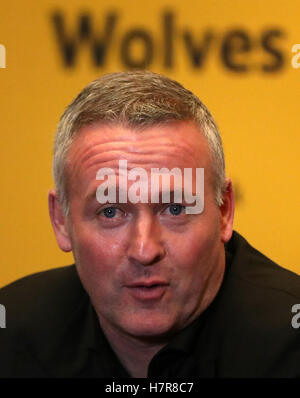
[153, 328]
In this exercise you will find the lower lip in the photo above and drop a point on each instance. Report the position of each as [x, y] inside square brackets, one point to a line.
[148, 293]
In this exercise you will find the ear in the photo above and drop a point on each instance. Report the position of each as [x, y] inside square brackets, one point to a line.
[59, 222]
[227, 212]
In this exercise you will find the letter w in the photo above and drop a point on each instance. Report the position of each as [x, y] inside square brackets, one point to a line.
[69, 46]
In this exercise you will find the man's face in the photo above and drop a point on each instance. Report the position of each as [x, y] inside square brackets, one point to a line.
[149, 268]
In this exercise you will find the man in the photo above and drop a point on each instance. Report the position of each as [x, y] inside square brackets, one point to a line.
[158, 288]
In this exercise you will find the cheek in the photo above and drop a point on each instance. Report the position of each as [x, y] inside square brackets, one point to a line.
[198, 244]
[197, 272]
[98, 264]
[96, 254]
[196, 256]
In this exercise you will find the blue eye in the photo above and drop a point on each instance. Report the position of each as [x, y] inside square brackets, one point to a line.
[110, 212]
[176, 209]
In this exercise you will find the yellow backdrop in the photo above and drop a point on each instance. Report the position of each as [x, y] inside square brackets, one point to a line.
[236, 55]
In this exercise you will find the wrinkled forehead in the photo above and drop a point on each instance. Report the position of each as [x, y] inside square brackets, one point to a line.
[175, 145]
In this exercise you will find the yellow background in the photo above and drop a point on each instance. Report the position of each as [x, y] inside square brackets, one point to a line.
[258, 114]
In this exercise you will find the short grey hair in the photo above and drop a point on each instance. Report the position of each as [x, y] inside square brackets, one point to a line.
[136, 99]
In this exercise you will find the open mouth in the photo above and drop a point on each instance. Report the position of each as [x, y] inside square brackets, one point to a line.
[149, 287]
[148, 291]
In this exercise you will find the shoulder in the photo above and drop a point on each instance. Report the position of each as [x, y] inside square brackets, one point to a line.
[41, 293]
[37, 308]
[254, 309]
[249, 266]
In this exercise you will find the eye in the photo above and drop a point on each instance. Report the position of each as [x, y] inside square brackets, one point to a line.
[175, 209]
[109, 212]
[112, 217]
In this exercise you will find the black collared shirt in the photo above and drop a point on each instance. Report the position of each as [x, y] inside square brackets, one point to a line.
[53, 331]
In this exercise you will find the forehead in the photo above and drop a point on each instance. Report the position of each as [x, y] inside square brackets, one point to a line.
[179, 144]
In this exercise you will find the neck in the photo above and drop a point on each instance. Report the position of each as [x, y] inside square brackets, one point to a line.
[135, 354]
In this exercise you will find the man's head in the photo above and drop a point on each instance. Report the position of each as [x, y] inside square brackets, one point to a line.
[137, 100]
[149, 268]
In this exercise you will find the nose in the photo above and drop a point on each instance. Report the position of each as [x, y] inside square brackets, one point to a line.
[146, 247]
